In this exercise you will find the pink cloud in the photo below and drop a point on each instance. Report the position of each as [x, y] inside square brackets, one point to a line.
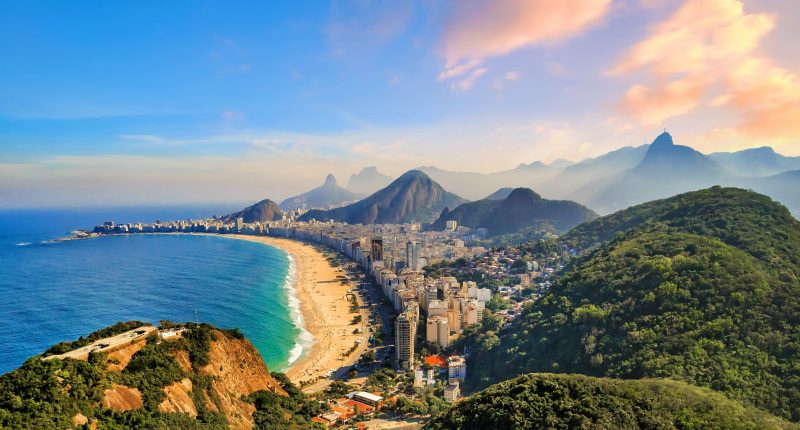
[652, 104]
[710, 48]
[480, 30]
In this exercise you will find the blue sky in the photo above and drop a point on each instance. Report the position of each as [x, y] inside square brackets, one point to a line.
[205, 101]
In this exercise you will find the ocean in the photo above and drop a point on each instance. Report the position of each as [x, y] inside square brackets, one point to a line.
[52, 292]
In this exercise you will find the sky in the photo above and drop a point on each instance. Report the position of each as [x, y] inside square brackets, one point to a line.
[148, 102]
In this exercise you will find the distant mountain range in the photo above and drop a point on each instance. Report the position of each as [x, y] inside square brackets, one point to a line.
[263, 211]
[367, 181]
[755, 162]
[668, 169]
[521, 209]
[475, 186]
[326, 196]
[412, 197]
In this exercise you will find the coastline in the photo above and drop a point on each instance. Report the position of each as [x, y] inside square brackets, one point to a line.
[321, 297]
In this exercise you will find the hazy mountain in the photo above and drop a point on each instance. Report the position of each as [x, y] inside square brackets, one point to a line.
[367, 181]
[473, 185]
[762, 161]
[577, 175]
[412, 197]
[329, 195]
[703, 287]
[666, 169]
[500, 194]
[561, 163]
[782, 187]
[265, 210]
[522, 209]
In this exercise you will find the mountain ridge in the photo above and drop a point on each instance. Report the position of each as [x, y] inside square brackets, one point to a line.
[414, 196]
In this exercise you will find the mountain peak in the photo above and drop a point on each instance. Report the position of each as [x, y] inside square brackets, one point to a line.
[330, 181]
[523, 194]
[414, 174]
[662, 141]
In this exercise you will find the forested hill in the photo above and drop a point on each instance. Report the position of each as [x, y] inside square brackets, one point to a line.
[700, 288]
[549, 401]
[747, 220]
[199, 378]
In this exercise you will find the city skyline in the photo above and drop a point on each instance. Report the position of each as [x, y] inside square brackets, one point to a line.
[145, 103]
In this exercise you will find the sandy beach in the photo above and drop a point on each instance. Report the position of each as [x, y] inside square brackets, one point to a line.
[325, 309]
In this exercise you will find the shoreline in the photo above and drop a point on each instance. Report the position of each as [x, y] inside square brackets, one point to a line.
[324, 311]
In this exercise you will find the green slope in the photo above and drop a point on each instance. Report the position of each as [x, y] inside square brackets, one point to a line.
[548, 401]
[700, 288]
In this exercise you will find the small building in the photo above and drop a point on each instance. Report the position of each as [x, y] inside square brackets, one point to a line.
[452, 391]
[373, 400]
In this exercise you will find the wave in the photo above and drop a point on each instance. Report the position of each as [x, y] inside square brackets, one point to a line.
[304, 338]
[24, 244]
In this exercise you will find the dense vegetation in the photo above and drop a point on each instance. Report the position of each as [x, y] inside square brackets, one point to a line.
[48, 394]
[277, 412]
[539, 401]
[702, 288]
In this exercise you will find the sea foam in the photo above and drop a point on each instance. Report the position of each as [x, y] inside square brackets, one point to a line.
[304, 338]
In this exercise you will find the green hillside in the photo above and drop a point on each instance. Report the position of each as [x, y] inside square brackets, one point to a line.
[548, 401]
[522, 209]
[701, 288]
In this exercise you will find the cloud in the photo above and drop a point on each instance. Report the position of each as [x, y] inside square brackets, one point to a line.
[653, 104]
[709, 49]
[481, 30]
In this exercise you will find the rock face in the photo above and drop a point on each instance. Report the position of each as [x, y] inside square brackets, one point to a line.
[121, 398]
[263, 211]
[521, 209]
[329, 195]
[238, 370]
[412, 197]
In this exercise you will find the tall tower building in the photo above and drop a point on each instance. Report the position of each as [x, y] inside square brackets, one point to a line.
[412, 255]
[377, 249]
[404, 333]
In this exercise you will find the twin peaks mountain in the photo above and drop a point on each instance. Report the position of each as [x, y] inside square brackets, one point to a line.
[329, 195]
[520, 209]
[412, 197]
[367, 181]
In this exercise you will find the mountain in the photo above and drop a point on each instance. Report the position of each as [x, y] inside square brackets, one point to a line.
[782, 187]
[500, 194]
[412, 197]
[703, 287]
[521, 209]
[367, 181]
[587, 171]
[755, 162]
[200, 378]
[329, 195]
[561, 163]
[474, 185]
[263, 211]
[666, 169]
[549, 401]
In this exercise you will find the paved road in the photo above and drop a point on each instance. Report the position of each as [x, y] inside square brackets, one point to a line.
[107, 344]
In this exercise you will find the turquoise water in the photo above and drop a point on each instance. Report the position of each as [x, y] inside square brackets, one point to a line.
[50, 292]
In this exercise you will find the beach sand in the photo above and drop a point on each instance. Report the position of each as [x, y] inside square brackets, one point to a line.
[326, 313]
